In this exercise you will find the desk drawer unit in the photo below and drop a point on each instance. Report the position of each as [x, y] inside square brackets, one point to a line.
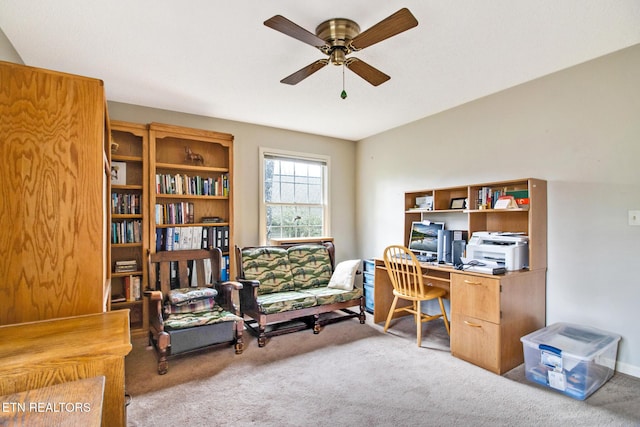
[475, 320]
[489, 314]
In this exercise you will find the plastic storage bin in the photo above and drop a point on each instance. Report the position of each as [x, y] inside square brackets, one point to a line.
[572, 359]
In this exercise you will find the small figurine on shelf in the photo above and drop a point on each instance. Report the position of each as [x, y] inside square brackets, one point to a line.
[193, 157]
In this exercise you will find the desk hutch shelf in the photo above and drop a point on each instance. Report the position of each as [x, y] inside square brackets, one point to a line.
[530, 218]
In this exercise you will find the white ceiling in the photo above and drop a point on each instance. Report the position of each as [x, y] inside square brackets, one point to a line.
[216, 58]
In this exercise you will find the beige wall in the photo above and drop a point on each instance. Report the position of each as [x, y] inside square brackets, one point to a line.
[7, 52]
[248, 138]
[580, 130]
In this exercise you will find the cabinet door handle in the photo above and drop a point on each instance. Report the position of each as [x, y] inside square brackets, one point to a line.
[469, 282]
[475, 325]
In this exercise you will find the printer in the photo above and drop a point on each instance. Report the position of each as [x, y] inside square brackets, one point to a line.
[510, 250]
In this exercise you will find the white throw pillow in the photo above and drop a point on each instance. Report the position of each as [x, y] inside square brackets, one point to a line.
[344, 275]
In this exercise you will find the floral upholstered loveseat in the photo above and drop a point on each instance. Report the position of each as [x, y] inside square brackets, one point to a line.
[283, 284]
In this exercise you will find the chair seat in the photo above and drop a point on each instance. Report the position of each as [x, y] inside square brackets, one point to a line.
[278, 302]
[325, 295]
[429, 293]
[188, 320]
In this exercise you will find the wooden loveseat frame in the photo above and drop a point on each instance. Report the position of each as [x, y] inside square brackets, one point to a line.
[283, 284]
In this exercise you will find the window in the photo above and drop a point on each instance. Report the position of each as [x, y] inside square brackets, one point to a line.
[293, 195]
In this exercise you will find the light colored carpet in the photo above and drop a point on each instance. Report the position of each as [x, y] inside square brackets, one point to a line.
[352, 374]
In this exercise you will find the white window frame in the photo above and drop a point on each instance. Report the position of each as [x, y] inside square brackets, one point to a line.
[294, 155]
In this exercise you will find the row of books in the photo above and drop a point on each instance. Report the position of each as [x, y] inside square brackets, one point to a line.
[195, 237]
[126, 231]
[126, 203]
[174, 213]
[131, 290]
[192, 185]
[488, 196]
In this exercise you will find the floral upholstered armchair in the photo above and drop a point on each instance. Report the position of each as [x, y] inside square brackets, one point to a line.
[189, 308]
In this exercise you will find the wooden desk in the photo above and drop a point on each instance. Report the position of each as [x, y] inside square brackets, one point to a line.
[488, 314]
[76, 403]
[434, 274]
[45, 353]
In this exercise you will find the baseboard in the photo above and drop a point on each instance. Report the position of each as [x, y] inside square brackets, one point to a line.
[625, 368]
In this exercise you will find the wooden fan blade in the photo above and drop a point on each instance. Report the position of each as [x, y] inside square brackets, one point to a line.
[400, 21]
[305, 72]
[291, 29]
[367, 72]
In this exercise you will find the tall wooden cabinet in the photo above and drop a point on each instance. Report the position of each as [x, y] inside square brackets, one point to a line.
[191, 201]
[129, 234]
[489, 314]
[53, 193]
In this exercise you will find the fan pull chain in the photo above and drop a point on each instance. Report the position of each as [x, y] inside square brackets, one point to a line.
[343, 95]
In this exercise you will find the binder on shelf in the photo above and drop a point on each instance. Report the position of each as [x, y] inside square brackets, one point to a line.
[169, 239]
[196, 238]
[224, 269]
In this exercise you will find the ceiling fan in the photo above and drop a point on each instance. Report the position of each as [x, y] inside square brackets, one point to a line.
[338, 37]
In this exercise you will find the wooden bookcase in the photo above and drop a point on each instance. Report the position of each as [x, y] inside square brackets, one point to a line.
[191, 194]
[54, 174]
[129, 212]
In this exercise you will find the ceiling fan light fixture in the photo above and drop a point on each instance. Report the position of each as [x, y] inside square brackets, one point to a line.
[338, 38]
[338, 56]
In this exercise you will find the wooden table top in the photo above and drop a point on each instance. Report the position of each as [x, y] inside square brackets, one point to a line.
[25, 345]
[76, 403]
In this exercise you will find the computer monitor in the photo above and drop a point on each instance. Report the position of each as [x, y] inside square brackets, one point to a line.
[423, 238]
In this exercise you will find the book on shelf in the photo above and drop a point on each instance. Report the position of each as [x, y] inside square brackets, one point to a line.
[126, 266]
[137, 292]
[211, 219]
[118, 298]
[127, 269]
[127, 288]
